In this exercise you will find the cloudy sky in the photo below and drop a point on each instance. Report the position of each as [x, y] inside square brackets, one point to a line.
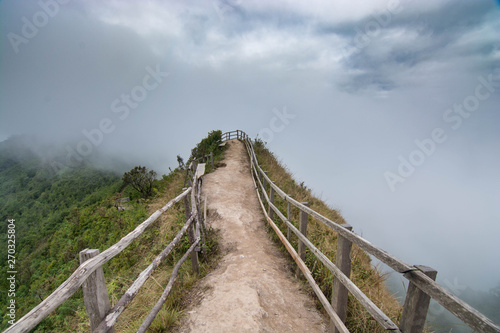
[388, 109]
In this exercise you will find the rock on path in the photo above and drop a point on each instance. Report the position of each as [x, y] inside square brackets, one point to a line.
[252, 289]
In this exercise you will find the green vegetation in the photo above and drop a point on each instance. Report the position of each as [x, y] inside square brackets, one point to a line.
[208, 145]
[141, 179]
[367, 278]
[211, 144]
[49, 211]
[59, 215]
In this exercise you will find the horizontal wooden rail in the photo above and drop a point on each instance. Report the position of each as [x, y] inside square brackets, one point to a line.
[388, 259]
[132, 291]
[154, 312]
[71, 285]
[452, 303]
[303, 268]
[237, 134]
[473, 318]
[376, 313]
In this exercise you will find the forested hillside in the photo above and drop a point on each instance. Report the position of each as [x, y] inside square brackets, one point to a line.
[47, 209]
[58, 213]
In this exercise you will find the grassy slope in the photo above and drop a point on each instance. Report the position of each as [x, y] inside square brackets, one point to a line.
[367, 278]
[145, 249]
[97, 223]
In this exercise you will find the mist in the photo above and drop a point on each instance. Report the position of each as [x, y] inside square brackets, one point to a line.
[388, 110]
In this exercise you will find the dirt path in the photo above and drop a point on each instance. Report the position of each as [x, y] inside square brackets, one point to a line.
[252, 289]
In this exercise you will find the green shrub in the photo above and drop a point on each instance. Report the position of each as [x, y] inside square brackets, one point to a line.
[141, 179]
[208, 145]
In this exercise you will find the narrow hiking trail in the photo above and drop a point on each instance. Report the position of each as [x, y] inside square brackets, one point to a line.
[252, 289]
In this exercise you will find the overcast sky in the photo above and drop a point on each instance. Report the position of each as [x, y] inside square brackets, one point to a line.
[387, 109]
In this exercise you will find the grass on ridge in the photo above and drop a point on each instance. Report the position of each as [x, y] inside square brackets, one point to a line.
[366, 277]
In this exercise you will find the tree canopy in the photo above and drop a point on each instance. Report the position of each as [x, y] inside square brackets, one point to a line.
[141, 179]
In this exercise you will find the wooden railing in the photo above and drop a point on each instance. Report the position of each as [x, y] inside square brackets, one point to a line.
[90, 275]
[193, 167]
[238, 134]
[421, 288]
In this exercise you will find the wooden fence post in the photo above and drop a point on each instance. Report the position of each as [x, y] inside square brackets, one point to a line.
[343, 262]
[212, 159]
[416, 305]
[264, 181]
[288, 216]
[270, 211]
[187, 205]
[95, 294]
[200, 225]
[303, 230]
[191, 232]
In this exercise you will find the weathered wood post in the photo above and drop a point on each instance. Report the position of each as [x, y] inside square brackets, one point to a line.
[205, 208]
[270, 211]
[264, 184]
[191, 233]
[190, 173]
[264, 181]
[212, 159]
[303, 230]
[95, 294]
[200, 224]
[343, 262]
[416, 305]
[288, 216]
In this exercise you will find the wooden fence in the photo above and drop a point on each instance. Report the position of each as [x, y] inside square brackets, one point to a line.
[193, 168]
[90, 274]
[422, 286]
